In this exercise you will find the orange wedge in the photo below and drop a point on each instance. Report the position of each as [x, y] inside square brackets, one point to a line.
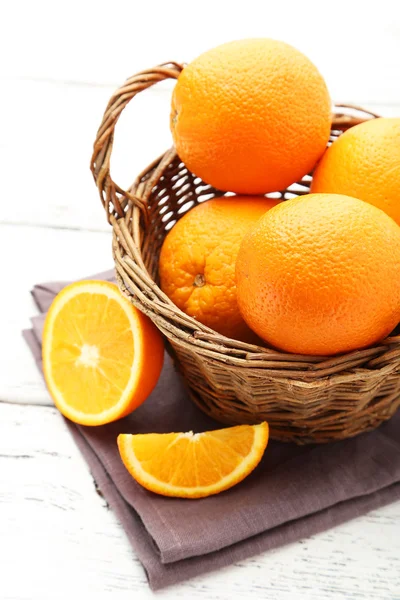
[193, 465]
[101, 356]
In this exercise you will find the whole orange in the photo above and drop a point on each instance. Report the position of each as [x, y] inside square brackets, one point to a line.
[365, 163]
[197, 261]
[321, 275]
[251, 116]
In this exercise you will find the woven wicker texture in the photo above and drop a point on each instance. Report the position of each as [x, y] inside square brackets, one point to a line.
[304, 398]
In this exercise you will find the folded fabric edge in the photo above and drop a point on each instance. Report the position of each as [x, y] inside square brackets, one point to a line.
[127, 517]
[161, 575]
[177, 553]
[51, 288]
[32, 340]
[34, 347]
[280, 534]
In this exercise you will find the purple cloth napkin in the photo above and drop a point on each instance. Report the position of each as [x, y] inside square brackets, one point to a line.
[293, 493]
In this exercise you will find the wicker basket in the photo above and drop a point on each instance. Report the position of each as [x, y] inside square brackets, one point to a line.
[304, 398]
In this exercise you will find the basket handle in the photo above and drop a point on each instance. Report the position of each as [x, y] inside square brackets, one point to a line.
[113, 197]
[343, 121]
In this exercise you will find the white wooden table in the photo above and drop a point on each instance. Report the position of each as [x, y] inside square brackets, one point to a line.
[58, 539]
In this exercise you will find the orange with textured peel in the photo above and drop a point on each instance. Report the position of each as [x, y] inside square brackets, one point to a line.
[365, 163]
[188, 465]
[197, 261]
[101, 356]
[321, 275]
[251, 116]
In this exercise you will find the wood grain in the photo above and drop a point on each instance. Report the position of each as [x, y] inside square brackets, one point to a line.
[356, 46]
[60, 530]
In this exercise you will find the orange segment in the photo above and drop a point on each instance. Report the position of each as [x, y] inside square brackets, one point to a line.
[101, 356]
[189, 465]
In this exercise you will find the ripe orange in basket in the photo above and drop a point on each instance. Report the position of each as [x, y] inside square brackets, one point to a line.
[321, 275]
[101, 356]
[197, 261]
[365, 163]
[189, 465]
[251, 116]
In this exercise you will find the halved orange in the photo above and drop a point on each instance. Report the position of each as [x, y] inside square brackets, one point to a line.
[101, 356]
[193, 465]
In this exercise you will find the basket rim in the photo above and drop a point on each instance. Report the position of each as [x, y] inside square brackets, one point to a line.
[127, 212]
[186, 331]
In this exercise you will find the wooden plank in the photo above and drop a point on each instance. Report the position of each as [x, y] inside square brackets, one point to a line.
[59, 531]
[356, 48]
